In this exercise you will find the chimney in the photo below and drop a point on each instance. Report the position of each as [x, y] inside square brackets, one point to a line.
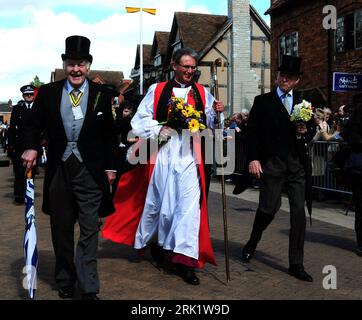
[244, 81]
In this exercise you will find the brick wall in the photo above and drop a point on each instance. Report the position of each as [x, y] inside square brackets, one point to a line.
[313, 45]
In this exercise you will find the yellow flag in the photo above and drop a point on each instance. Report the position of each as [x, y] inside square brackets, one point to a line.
[135, 9]
[132, 9]
[148, 10]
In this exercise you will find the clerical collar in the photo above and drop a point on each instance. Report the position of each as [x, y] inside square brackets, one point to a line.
[177, 84]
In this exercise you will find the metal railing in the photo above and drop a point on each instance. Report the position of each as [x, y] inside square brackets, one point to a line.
[321, 153]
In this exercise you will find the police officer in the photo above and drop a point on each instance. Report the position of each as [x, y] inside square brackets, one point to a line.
[15, 141]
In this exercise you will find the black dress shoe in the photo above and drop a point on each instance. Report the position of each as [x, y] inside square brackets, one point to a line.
[157, 253]
[358, 251]
[299, 272]
[188, 274]
[66, 292]
[89, 296]
[244, 182]
[238, 189]
[247, 253]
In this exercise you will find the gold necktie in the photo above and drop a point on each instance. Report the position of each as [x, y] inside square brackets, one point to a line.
[75, 96]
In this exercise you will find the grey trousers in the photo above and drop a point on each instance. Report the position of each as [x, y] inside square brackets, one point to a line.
[74, 195]
[291, 174]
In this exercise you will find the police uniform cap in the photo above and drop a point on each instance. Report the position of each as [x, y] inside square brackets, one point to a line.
[27, 89]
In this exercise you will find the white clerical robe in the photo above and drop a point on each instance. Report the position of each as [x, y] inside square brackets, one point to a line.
[172, 206]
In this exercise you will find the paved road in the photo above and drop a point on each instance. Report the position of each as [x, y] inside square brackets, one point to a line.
[123, 275]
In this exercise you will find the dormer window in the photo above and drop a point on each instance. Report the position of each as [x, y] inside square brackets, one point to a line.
[177, 45]
[158, 60]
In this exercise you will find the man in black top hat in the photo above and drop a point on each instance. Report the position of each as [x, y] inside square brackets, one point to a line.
[279, 160]
[76, 114]
[15, 141]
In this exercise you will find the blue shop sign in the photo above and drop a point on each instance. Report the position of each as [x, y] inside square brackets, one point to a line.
[345, 82]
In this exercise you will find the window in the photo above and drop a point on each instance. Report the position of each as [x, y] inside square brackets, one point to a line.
[340, 36]
[170, 75]
[177, 45]
[358, 28]
[288, 44]
[349, 32]
[158, 60]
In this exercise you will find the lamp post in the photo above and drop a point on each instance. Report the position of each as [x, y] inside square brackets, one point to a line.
[140, 9]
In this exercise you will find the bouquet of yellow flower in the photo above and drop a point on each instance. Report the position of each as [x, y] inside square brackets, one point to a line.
[182, 115]
[302, 112]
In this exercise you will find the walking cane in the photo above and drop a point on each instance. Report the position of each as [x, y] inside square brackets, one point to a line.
[216, 94]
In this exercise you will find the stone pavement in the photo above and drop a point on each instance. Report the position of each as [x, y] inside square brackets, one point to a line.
[124, 276]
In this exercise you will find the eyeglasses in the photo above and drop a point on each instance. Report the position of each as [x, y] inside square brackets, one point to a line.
[188, 67]
[28, 94]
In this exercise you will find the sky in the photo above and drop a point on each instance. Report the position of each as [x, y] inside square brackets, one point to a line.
[33, 32]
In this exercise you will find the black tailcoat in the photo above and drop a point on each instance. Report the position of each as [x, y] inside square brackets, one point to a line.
[270, 131]
[97, 140]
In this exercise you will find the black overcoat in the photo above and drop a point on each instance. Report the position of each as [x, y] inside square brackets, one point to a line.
[271, 133]
[16, 127]
[97, 140]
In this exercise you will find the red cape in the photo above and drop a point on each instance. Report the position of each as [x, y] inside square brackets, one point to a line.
[130, 197]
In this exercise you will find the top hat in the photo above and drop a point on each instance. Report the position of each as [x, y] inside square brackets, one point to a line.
[290, 64]
[77, 47]
[28, 88]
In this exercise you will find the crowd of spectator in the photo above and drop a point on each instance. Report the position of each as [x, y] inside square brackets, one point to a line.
[4, 135]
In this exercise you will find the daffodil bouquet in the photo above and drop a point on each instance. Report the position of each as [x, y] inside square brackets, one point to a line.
[302, 112]
[182, 115]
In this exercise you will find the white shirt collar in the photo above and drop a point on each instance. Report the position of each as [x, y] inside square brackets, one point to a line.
[281, 93]
[70, 88]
